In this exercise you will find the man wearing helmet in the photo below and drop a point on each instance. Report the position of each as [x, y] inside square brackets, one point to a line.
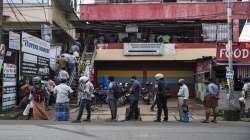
[86, 90]
[38, 100]
[161, 97]
[183, 96]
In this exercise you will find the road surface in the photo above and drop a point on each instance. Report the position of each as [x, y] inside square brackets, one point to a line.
[49, 130]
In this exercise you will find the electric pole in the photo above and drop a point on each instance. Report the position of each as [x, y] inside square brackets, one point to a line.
[229, 46]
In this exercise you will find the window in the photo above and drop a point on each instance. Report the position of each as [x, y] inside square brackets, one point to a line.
[26, 1]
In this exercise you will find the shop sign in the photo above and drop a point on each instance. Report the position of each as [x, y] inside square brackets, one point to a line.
[35, 45]
[14, 41]
[35, 56]
[143, 49]
[241, 53]
[230, 74]
[9, 86]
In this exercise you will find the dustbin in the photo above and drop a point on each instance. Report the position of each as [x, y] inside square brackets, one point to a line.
[232, 115]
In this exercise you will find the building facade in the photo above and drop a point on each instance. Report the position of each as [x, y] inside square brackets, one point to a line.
[128, 36]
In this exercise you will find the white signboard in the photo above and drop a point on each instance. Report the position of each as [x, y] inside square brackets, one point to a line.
[9, 86]
[245, 33]
[35, 45]
[143, 49]
[14, 41]
[169, 49]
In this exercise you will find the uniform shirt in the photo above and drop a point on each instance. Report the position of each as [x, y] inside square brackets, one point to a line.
[62, 92]
[183, 92]
[212, 89]
[86, 90]
[135, 90]
[109, 94]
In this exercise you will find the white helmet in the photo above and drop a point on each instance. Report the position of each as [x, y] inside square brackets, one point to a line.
[83, 79]
[159, 76]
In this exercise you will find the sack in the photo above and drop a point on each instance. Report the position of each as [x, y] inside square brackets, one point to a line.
[117, 90]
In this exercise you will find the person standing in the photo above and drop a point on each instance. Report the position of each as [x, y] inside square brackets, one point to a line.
[161, 97]
[211, 100]
[183, 95]
[111, 98]
[135, 91]
[246, 93]
[86, 90]
[52, 97]
[38, 100]
[62, 92]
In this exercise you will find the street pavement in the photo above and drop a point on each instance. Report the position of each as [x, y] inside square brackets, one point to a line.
[101, 130]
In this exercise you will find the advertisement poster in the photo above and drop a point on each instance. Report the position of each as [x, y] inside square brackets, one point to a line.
[9, 86]
[35, 56]
[14, 41]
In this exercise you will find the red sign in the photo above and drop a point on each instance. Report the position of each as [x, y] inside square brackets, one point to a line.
[241, 52]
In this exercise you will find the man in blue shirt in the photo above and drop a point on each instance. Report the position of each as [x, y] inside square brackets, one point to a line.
[112, 101]
[211, 100]
[135, 91]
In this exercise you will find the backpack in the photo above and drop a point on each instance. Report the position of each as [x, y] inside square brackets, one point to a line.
[117, 90]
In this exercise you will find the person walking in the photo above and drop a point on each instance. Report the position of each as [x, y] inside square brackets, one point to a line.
[86, 90]
[211, 100]
[62, 92]
[161, 97]
[111, 98]
[183, 95]
[52, 98]
[38, 100]
[135, 91]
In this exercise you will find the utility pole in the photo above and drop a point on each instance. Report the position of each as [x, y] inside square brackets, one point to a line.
[229, 46]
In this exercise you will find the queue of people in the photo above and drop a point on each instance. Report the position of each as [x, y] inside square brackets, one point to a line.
[37, 96]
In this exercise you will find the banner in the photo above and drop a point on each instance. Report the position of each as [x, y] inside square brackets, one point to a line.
[35, 56]
[14, 41]
[35, 45]
[9, 86]
[241, 52]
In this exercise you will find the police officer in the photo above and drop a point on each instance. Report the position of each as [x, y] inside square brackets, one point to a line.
[161, 97]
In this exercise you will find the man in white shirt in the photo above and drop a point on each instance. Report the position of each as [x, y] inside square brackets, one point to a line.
[62, 92]
[183, 96]
[86, 90]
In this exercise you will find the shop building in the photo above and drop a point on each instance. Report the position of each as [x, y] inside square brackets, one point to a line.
[178, 39]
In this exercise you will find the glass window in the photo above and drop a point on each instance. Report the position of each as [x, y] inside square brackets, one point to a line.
[26, 1]
[12, 1]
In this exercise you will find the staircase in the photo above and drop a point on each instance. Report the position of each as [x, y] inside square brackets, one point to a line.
[85, 68]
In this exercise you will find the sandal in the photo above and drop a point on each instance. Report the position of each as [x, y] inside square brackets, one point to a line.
[205, 121]
[214, 121]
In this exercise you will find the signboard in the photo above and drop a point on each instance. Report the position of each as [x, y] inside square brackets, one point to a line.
[46, 32]
[245, 36]
[143, 49]
[230, 74]
[35, 56]
[241, 52]
[14, 41]
[35, 45]
[169, 49]
[9, 86]
[131, 28]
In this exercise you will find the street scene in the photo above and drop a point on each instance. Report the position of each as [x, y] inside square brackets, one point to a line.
[123, 69]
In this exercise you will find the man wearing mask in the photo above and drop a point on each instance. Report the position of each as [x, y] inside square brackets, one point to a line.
[135, 91]
[111, 98]
[161, 97]
[183, 96]
[86, 90]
